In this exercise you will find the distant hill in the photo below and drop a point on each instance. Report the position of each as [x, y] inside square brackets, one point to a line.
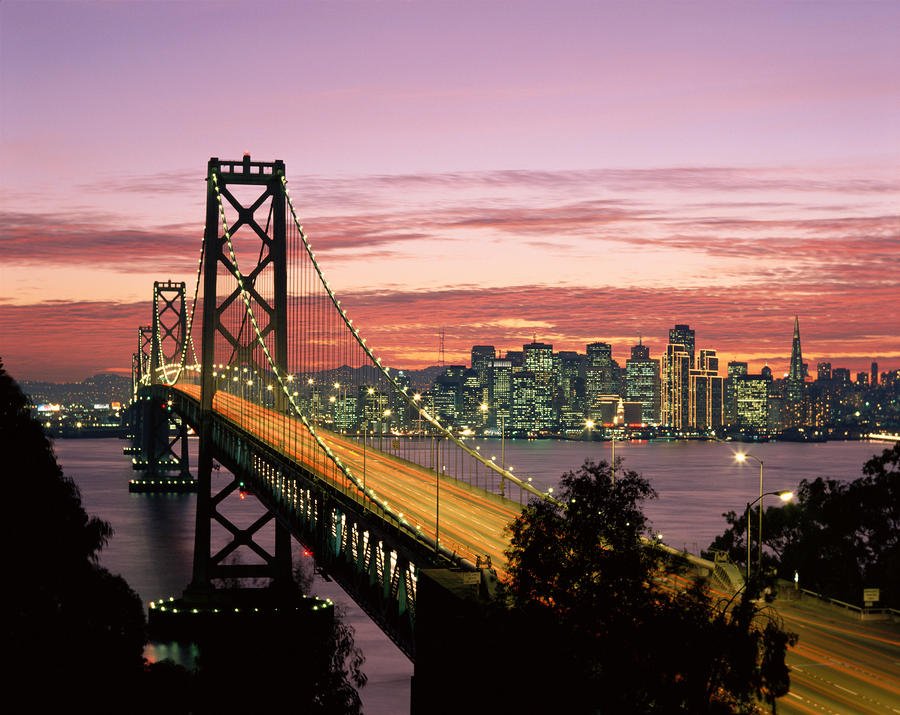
[98, 389]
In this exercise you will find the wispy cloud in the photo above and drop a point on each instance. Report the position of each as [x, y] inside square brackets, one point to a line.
[94, 240]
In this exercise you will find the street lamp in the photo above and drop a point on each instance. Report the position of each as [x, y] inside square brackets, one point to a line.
[741, 458]
[484, 408]
[785, 496]
[416, 397]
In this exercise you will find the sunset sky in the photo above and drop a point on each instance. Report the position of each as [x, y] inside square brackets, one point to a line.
[570, 171]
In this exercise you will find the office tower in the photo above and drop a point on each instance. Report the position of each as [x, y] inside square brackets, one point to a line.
[862, 379]
[570, 390]
[500, 400]
[524, 417]
[675, 400]
[874, 373]
[446, 393]
[472, 399]
[605, 372]
[601, 377]
[840, 378]
[736, 368]
[684, 336]
[538, 360]
[642, 382]
[823, 372]
[515, 357]
[752, 403]
[705, 392]
[795, 384]
[482, 355]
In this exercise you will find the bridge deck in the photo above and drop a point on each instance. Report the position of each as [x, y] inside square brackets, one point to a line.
[472, 521]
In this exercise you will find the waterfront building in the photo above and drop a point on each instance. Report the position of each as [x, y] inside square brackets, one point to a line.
[482, 356]
[601, 374]
[524, 417]
[500, 400]
[538, 360]
[706, 393]
[751, 393]
[570, 376]
[736, 368]
[472, 398]
[642, 382]
[446, 393]
[675, 398]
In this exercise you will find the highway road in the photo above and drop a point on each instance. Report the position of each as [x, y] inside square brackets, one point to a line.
[471, 521]
[840, 665]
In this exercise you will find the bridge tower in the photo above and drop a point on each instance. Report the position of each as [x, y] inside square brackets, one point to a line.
[140, 371]
[163, 436]
[133, 412]
[232, 183]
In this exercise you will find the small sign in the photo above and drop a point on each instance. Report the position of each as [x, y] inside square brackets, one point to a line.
[871, 595]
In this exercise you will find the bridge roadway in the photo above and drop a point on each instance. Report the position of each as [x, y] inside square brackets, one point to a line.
[472, 522]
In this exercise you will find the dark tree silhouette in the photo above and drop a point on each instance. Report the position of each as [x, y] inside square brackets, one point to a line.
[622, 633]
[75, 632]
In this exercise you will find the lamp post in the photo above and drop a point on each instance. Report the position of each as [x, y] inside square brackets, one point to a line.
[741, 458]
[615, 424]
[589, 426]
[484, 408]
[785, 496]
[416, 397]
[385, 425]
[365, 426]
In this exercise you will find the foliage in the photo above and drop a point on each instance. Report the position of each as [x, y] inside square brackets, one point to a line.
[840, 537]
[68, 621]
[622, 634]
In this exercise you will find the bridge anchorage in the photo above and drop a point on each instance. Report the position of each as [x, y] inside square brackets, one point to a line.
[339, 452]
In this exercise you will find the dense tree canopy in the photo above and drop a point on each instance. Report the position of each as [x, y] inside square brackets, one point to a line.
[839, 537]
[68, 623]
[622, 633]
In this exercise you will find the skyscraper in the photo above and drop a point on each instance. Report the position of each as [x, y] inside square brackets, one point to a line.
[706, 392]
[795, 384]
[602, 372]
[500, 399]
[736, 369]
[675, 402]
[482, 356]
[684, 336]
[676, 378]
[642, 382]
[538, 359]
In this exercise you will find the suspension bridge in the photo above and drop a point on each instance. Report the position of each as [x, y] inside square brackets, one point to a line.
[264, 364]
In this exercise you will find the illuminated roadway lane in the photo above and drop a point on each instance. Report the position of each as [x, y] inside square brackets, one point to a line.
[840, 665]
[472, 521]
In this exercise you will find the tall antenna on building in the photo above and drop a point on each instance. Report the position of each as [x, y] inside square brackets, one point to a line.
[441, 347]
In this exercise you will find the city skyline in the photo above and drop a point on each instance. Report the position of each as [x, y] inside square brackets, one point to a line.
[573, 172]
